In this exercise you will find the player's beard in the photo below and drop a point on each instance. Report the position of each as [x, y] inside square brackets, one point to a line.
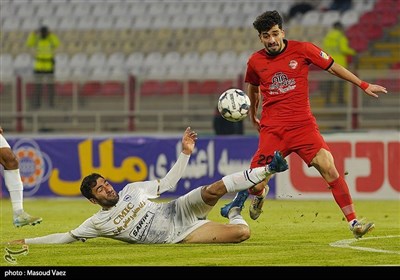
[110, 201]
[273, 49]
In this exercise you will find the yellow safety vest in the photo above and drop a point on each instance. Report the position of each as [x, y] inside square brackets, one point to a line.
[45, 51]
[337, 46]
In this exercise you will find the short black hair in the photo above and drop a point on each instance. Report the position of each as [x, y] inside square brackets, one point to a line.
[338, 25]
[267, 20]
[88, 183]
[44, 31]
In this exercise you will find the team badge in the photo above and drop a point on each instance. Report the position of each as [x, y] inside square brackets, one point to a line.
[293, 64]
[127, 198]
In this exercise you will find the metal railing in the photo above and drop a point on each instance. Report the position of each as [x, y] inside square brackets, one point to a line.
[133, 111]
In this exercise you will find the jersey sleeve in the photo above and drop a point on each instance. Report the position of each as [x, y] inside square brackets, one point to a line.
[55, 238]
[154, 188]
[317, 56]
[148, 188]
[251, 76]
[86, 230]
[174, 174]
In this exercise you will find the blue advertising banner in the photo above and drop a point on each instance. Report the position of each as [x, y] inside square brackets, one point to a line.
[56, 166]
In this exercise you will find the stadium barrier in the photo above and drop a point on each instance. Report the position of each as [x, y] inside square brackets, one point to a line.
[53, 166]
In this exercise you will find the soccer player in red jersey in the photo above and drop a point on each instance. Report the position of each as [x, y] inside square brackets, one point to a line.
[279, 73]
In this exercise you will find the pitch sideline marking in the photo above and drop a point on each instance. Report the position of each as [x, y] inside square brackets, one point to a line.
[347, 242]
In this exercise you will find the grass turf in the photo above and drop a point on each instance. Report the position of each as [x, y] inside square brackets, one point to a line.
[288, 233]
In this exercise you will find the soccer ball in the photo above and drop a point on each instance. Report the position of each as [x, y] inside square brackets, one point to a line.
[234, 105]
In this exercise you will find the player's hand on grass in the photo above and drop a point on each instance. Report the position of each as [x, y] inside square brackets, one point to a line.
[18, 241]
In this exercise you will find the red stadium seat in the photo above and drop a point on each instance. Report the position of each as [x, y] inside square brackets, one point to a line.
[194, 87]
[64, 88]
[354, 31]
[210, 87]
[385, 5]
[172, 87]
[359, 44]
[151, 87]
[368, 18]
[225, 85]
[357, 39]
[389, 18]
[29, 88]
[373, 31]
[112, 88]
[91, 88]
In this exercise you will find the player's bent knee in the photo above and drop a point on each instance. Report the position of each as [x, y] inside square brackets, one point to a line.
[243, 233]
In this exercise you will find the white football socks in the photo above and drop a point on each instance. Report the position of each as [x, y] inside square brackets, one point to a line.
[15, 187]
[235, 218]
[243, 180]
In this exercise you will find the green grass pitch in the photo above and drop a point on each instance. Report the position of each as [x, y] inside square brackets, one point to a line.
[288, 233]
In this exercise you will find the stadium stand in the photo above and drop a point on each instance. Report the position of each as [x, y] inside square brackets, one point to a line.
[155, 48]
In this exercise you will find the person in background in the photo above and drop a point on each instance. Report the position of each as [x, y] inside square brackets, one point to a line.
[341, 5]
[44, 43]
[224, 127]
[14, 184]
[279, 74]
[299, 8]
[132, 215]
[336, 44]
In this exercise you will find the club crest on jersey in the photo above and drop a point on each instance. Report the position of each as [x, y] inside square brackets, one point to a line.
[293, 64]
[127, 198]
[324, 55]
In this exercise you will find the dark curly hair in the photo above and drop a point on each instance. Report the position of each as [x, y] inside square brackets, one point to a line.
[88, 183]
[267, 20]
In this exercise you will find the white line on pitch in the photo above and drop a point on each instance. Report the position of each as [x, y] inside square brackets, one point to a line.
[347, 242]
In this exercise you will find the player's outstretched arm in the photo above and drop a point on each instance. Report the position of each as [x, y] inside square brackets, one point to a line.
[176, 172]
[370, 89]
[18, 241]
[188, 141]
[55, 238]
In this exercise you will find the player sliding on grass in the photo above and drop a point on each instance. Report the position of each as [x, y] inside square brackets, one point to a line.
[279, 72]
[131, 217]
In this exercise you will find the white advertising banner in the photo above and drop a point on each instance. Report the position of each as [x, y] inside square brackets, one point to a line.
[370, 162]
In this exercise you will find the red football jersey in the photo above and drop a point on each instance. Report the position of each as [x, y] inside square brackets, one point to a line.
[283, 81]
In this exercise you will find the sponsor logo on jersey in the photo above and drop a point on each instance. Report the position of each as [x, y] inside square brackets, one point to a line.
[281, 84]
[142, 227]
[324, 55]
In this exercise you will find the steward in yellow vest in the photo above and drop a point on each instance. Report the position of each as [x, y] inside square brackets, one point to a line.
[44, 44]
[336, 44]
